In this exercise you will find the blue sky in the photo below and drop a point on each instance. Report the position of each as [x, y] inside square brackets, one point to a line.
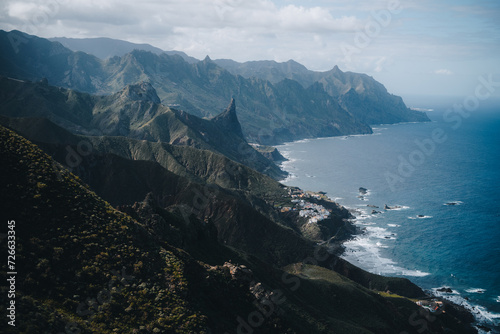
[413, 47]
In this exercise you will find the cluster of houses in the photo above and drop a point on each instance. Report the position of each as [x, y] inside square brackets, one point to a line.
[314, 212]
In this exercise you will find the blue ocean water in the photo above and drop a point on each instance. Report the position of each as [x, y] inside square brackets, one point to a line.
[443, 180]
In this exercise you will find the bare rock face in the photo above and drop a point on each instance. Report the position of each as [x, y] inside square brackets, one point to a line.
[238, 272]
[228, 120]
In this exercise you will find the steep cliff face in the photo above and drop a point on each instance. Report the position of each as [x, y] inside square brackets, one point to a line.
[359, 94]
[228, 120]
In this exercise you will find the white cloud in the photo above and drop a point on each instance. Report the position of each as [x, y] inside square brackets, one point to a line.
[315, 19]
[443, 71]
[424, 34]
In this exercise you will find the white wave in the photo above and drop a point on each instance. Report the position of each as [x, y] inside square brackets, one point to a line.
[289, 178]
[453, 203]
[365, 252]
[398, 207]
[365, 224]
[420, 217]
[359, 212]
[365, 135]
[302, 141]
[475, 290]
[393, 225]
[498, 299]
[289, 163]
[421, 109]
[415, 273]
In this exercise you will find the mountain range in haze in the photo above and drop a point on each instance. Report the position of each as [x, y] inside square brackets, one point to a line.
[277, 102]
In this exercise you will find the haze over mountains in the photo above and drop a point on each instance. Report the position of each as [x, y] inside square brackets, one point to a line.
[107, 47]
[272, 107]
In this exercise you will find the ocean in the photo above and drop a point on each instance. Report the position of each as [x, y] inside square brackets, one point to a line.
[441, 180]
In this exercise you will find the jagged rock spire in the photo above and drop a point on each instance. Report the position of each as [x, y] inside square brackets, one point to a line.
[228, 119]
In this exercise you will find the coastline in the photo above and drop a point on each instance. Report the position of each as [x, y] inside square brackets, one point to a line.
[484, 320]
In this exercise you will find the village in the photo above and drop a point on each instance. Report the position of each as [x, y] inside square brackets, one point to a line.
[302, 202]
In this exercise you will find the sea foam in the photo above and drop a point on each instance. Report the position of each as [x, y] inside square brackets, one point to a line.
[365, 251]
[480, 313]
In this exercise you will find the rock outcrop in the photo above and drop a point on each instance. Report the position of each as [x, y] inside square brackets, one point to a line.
[228, 120]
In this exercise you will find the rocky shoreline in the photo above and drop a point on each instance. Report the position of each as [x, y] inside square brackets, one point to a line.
[431, 298]
[431, 303]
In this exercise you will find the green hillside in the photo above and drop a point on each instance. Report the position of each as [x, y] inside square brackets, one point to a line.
[88, 268]
[133, 112]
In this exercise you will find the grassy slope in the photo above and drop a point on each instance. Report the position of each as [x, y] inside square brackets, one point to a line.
[72, 247]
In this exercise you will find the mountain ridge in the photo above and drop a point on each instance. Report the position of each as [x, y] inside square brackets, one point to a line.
[267, 113]
[132, 112]
[104, 47]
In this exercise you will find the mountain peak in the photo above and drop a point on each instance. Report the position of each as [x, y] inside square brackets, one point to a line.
[336, 69]
[229, 120]
[231, 109]
[142, 91]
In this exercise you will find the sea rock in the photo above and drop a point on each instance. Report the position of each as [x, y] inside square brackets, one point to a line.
[372, 206]
[446, 290]
[374, 212]
[484, 328]
[387, 207]
[363, 191]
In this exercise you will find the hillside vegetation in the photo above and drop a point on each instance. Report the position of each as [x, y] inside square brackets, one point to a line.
[92, 269]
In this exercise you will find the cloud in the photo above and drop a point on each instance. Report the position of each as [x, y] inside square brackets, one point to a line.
[443, 72]
[315, 19]
[424, 34]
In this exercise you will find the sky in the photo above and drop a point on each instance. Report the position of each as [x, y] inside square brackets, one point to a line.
[413, 47]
